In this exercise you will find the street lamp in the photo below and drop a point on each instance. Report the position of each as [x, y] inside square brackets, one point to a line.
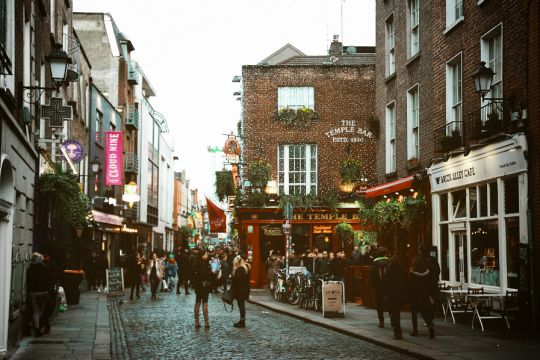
[95, 165]
[58, 61]
[483, 78]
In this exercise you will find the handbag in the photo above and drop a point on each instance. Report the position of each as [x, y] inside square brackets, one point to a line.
[227, 298]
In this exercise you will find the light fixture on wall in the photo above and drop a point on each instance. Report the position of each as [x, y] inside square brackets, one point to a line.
[58, 61]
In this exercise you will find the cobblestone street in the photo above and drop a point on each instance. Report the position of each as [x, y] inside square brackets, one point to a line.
[163, 329]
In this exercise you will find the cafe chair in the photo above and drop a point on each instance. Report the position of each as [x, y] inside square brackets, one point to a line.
[510, 307]
[482, 307]
[439, 298]
[456, 303]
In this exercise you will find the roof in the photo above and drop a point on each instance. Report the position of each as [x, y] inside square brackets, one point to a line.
[285, 52]
[345, 59]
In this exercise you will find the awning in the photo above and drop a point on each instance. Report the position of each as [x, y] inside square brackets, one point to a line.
[107, 218]
[387, 188]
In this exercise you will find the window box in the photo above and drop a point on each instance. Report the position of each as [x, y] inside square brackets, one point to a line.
[413, 163]
[300, 116]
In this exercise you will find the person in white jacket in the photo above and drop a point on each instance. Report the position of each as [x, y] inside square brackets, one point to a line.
[155, 273]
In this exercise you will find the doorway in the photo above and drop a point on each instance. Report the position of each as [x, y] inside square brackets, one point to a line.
[460, 256]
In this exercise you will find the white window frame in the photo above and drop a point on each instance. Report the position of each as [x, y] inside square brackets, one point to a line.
[454, 12]
[52, 18]
[390, 143]
[390, 45]
[413, 123]
[454, 97]
[495, 32]
[413, 26]
[296, 97]
[308, 184]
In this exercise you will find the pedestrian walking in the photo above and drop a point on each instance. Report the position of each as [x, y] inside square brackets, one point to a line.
[202, 282]
[155, 274]
[172, 271]
[134, 274]
[91, 271]
[424, 278]
[39, 283]
[50, 305]
[102, 264]
[184, 267]
[225, 270]
[215, 265]
[395, 289]
[273, 264]
[377, 278]
[240, 287]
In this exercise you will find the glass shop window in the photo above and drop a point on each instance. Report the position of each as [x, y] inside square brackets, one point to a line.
[459, 204]
[482, 189]
[511, 195]
[485, 268]
[512, 251]
[473, 202]
[444, 207]
[445, 254]
[493, 199]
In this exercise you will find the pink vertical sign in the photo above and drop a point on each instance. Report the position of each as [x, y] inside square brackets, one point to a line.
[113, 158]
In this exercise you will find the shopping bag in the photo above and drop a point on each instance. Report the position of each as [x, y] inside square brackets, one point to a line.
[227, 298]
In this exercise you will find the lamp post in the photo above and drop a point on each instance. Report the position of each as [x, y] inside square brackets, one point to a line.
[95, 166]
[483, 78]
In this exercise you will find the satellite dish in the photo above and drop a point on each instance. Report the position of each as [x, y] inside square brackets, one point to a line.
[351, 50]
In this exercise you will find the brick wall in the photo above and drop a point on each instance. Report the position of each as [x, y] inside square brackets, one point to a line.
[410, 71]
[341, 93]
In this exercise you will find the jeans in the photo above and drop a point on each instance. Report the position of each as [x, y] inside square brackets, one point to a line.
[38, 301]
[135, 284]
[154, 284]
[422, 304]
[242, 308]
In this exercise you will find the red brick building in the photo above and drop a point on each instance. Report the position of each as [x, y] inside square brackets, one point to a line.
[337, 91]
[478, 152]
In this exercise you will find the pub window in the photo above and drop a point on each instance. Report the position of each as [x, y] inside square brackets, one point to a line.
[511, 195]
[459, 208]
[445, 253]
[297, 169]
[485, 253]
[296, 97]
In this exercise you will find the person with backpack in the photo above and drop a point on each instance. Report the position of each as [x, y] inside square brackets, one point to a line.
[424, 278]
[377, 277]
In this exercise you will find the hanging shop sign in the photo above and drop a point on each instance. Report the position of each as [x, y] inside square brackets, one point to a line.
[56, 113]
[74, 151]
[348, 131]
[272, 230]
[232, 149]
[113, 158]
[322, 229]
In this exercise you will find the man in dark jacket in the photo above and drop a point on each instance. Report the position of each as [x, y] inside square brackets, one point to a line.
[395, 288]
[102, 264]
[356, 258]
[425, 275]
[377, 278]
[133, 268]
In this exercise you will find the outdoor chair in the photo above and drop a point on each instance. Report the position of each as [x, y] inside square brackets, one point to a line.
[456, 303]
[510, 307]
[440, 299]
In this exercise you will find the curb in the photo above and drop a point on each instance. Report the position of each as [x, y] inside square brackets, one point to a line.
[401, 350]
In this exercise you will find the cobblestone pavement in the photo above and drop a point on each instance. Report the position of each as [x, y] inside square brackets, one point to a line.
[163, 329]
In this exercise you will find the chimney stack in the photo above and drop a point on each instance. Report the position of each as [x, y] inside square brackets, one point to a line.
[335, 47]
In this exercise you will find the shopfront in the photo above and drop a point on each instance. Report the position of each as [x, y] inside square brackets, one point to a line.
[480, 216]
[261, 231]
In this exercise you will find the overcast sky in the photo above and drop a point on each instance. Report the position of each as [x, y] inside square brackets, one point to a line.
[190, 51]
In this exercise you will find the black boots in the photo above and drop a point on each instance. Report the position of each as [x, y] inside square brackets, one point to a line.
[431, 331]
[37, 332]
[397, 334]
[240, 324]
[381, 323]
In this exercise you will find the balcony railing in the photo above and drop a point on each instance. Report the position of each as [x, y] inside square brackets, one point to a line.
[490, 121]
[132, 117]
[71, 45]
[131, 163]
[449, 137]
[133, 73]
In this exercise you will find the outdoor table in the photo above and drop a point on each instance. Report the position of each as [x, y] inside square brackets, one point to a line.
[450, 295]
[477, 300]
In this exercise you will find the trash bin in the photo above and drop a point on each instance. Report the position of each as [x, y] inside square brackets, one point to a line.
[71, 281]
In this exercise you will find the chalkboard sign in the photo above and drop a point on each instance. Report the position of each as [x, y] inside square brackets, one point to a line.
[115, 279]
[333, 299]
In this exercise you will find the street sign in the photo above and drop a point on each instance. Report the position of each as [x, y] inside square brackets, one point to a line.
[56, 113]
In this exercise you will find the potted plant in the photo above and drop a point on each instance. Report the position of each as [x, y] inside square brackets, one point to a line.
[344, 233]
[259, 173]
[224, 184]
[350, 170]
[286, 115]
[304, 115]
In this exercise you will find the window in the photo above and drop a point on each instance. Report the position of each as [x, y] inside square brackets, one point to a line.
[511, 195]
[443, 199]
[413, 135]
[454, 12]
[491, 52]
[485, 253]
[459, 206]
[296, 97]
[99, 127]
[53, 17]
[153, 184]
[3, 24]
[413, 22]
[453, 94]
[390, 138]
[390, 45]
[297, 169]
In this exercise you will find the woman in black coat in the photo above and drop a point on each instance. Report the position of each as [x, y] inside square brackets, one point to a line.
[202, 277]
[240, 287]
[396, 291]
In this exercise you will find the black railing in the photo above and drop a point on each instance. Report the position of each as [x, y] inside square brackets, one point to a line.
[490, 120]
[449, 137]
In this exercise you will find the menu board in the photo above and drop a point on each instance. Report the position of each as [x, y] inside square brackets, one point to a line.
[115, 279]
[333, 301]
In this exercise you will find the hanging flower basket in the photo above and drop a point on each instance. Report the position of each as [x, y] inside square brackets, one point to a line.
[350, 170]
[224, 184]
[259, 173]
[300, 116]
